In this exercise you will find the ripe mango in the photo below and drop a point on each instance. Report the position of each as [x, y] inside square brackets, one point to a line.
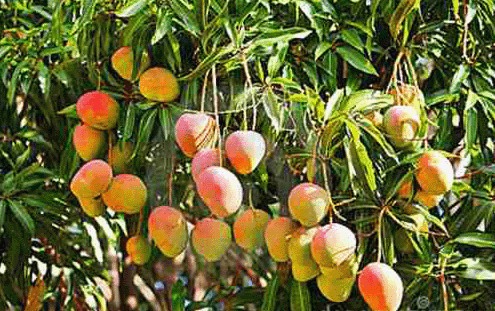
[434, 173]
[203, 159]
[127, 194]
[93, 207]
[426, 199]
[300, 246]
[308, 203]
[245, 149]
[88, 142]
[98, 110]
[211, 238]
[159, 84]
[139, 249]
[249, 228]
[220, 190]
[304, 273]
[332, 245]
[335, 289]
[402, 124]
[277, 235]
[194, 132]
[123, 62]
[168, 228]
[381, 287]
[92, 179]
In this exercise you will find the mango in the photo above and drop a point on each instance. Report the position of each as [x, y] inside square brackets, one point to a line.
[434, 173]
[88, 142]
[308, 203]
[203, 159]
[220, 190]
[304, 273]
[408, 95]
[92, 179]
[347, 269]
[93, 207]
[245, 149]
[98, 110]
[123, 62]
[249, 229]
[277, 235]
[127, 193]
[168, 228]
[402, 123]
[159, 84]
[381, 287]
[211, 238]
[332, 245]
[335, 289]
[119, 157]
[300, 246]
[139, 249]
[424, 198]
[194, 132]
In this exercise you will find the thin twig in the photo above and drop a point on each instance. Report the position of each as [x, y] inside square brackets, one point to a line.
[215, 105]
[379, 232]
[203, 92]
[251, 90]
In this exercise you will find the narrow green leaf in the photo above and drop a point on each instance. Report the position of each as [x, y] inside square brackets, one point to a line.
[21, 214]
[351, 37]
[475, 268]
[401, 12]
[478, 239]
[270, 296]
[163, 26]
[356, 59]
[270, 37]
[165, 121]
[130, 120]
[300, 299]
[132, 8]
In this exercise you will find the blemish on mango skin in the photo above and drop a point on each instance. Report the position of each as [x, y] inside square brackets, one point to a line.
[194, 132]
[211, 238]
[167, 227]
[159, 84]
[98, 110]
[127, 193]
[245, 150]
[220, 190]
[381, 287]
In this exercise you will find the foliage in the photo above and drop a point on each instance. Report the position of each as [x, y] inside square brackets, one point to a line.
[304, 74]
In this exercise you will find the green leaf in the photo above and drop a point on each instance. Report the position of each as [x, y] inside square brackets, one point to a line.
[460, 75]
[270, 296]
[273, 109]
[21, 214]
[3, 209]
[475, 268]
[134, 7]
[361, 160]
[300, 299]
[356, 59]
[130, 120]
[270, 37]
[478, 239]
[401, 12]
[165, 122]
[163, 26]
[351, 36]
